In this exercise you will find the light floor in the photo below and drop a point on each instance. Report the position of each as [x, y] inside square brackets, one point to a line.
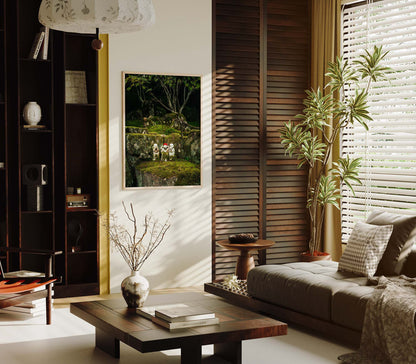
[70, 340]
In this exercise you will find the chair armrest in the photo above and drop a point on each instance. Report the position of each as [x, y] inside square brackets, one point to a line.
[31, 251]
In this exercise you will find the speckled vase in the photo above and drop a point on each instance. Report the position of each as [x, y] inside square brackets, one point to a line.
[135, 289]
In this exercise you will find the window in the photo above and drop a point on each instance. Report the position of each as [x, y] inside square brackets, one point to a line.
[388, 149]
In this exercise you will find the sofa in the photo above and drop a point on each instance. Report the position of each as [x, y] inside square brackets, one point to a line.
[325, 298]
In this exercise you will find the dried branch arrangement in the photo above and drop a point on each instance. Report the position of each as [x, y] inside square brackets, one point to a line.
[136, 247]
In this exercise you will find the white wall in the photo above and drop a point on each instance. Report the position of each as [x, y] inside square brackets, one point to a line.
[178, 43]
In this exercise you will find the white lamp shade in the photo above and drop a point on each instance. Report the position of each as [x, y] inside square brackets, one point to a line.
[85, 16]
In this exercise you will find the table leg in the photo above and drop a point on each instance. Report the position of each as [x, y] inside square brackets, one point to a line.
[191, 354]
[229, 351]
[107, 343]
[245, 262]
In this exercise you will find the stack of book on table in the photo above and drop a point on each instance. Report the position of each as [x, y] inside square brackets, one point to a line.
[179, 316]
[32, 308]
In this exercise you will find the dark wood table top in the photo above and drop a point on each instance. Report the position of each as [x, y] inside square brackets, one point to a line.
[126, 325]
[256, 245]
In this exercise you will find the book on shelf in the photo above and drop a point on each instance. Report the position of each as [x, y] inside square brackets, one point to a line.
[185, 324]
[45, 44]
[36, 45]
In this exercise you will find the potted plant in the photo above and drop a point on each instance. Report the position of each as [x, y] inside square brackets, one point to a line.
[312, 139]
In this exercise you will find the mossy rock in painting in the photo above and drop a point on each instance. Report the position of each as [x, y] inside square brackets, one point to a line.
[140, 145]
[171, 173]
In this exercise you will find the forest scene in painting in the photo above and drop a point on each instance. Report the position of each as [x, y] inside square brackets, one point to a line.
[162, 130]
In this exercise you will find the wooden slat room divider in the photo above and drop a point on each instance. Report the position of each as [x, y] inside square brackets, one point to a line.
[260, 72]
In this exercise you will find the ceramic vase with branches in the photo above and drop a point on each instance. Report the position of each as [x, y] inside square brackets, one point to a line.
[136, 247]
[311, 140]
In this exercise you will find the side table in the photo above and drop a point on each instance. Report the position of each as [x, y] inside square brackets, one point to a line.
[245, 261]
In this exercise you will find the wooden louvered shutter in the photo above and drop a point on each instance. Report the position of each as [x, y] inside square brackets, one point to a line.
[236, 133]
[287, 80]
[260, 72]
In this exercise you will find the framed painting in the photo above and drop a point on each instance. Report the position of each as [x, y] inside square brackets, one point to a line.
[162, 130]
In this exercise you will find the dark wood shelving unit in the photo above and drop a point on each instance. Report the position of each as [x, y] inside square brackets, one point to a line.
[68, 146]
[3, 136]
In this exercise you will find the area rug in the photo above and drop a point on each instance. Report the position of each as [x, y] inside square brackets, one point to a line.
[71, 340]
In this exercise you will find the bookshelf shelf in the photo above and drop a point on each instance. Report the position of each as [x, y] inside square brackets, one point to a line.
[72, 104]
[41, 131]
[81, 209]
[35, 61]
[43, 212]
[82, 252]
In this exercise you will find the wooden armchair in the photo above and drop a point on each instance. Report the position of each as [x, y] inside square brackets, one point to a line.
[17, 290]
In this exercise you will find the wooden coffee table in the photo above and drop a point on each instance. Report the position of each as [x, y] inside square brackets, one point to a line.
[114, 322]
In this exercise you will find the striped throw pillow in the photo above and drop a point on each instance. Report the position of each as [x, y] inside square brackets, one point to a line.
[365, 248]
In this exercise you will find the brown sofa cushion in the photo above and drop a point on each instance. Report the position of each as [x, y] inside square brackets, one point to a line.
[400, 243]
[304, 287]
[348, 306]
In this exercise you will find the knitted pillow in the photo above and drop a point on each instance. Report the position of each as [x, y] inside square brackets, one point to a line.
[365, 247]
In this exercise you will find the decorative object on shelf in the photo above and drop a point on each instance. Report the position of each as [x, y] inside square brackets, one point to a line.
[136, 248]
[78, 201]
[75, 87]
[32, 113]
[162, 130]
[35, 176]
[94, 16]
[242, 238]
[311, 140]
[75, 231]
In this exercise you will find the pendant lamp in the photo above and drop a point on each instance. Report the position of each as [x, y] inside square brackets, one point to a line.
[94, 16]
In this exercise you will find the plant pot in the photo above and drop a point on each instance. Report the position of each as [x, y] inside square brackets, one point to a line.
[307, 257]
[135, 289]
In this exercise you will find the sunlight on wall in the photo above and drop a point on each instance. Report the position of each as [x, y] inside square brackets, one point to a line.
[179, 43]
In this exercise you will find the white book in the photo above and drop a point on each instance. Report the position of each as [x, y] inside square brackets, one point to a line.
[185, 324]
[187, 313]
[149, 311]
[45, 44]
[37, 43]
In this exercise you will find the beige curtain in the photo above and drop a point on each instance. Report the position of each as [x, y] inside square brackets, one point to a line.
[326, 17]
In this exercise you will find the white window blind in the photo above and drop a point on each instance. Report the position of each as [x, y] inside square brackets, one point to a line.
[388, 149]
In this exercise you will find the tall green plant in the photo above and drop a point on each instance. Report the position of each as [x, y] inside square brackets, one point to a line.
[312, 139]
